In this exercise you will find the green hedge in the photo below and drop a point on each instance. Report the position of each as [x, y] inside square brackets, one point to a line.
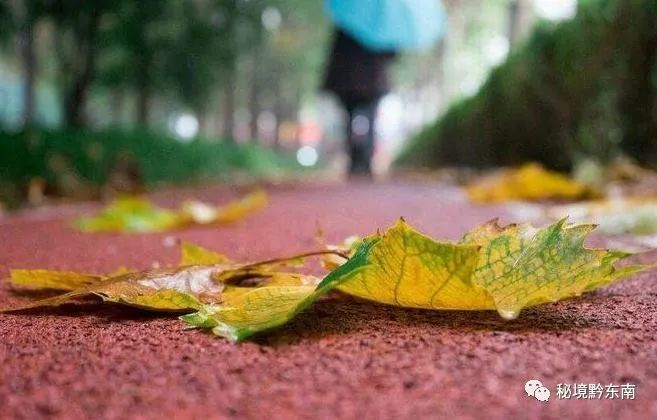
[90, 157]
[585, 87]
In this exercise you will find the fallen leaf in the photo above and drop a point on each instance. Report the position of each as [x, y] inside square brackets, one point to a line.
[134, 214]
[171, 289]
[203, 277]
[530, 182]
[492, 268]
[129, 214]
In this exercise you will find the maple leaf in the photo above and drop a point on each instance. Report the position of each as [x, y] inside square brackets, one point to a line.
[134, 214]
[491, 268]
[529, 182]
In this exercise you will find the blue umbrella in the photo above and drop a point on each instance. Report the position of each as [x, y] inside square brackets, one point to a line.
[390, 25]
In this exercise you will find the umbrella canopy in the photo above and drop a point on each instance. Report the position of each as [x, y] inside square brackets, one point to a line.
[390, 25]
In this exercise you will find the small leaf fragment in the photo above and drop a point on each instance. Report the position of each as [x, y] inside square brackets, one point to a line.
[49, 279]
[201, 213]
[195, 255]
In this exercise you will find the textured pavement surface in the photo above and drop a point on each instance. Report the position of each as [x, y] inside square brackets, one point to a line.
[342, 358]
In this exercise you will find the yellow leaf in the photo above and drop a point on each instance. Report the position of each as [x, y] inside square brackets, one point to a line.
[183, 288]
[201, 213]
[406, 268]
[171, 289]
[248, 310]
[195, 255]
[529, 182]
[238, 210]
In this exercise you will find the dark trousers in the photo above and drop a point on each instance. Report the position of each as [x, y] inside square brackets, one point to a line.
[360, 134]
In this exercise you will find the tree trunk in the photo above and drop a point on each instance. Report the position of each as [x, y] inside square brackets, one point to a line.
[201, 117]
[143, 105]
[279, 111]
[638, 97]
[116, 101]
[143, 63]
[29, 63]
[520, 20]
[255, 87]
[254, 108]
[76, 96]
[229, 108]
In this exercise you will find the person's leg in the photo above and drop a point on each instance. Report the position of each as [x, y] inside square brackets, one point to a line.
[360, 136]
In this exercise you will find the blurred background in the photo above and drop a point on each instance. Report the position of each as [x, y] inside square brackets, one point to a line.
[122, 95]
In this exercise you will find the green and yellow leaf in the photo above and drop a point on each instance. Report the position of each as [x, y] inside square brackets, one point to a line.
[134, 214]
[520, 266]
[492, 268]
[130, 214]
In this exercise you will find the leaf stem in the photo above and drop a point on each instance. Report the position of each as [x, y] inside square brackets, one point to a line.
[296, 257]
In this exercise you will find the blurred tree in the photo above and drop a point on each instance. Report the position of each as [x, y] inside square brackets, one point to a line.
[637, 29]
[169, 54]
[294, 51]
[27, 13]
[77, 26]
[137, 41]
[19, 18]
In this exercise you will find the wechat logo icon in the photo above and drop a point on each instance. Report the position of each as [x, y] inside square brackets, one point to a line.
[534, 388]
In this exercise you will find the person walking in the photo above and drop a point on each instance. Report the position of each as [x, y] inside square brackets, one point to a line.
[358, 76]
[368, 35]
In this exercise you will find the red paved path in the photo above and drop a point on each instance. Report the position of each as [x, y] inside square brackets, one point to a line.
[341, 359]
